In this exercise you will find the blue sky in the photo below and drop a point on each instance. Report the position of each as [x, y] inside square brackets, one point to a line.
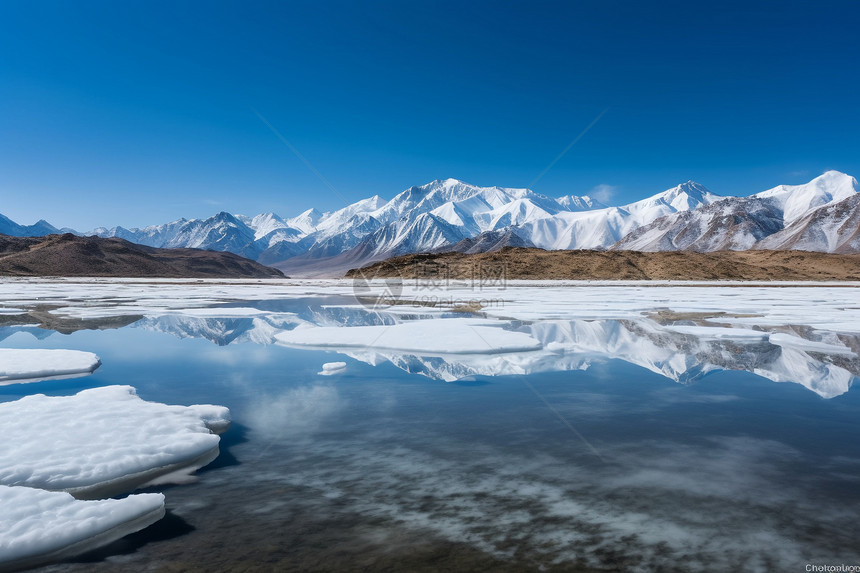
[136, 113]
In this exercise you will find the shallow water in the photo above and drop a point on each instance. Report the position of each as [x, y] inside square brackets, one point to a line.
[580, 458]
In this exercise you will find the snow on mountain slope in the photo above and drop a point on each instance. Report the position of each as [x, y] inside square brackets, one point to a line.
[335, 220]
[797, 200]
[424, 218]
[601, 228]
[221, 232]
[424, 233]
[306, 221]
[518, 212]
[151, 236]
[460, 214]
[487, 242]
[810, 217]
[832, 228]
[731, 224]
[577, 203]
[265, 224]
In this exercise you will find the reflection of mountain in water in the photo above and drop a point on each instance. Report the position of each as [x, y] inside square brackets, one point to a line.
[221, 331]
[35, 331]
[823, 362]
[260, 329]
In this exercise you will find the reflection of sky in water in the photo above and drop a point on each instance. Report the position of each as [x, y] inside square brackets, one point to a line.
[377, 468]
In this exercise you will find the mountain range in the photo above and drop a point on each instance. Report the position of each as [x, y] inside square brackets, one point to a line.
[822, 215]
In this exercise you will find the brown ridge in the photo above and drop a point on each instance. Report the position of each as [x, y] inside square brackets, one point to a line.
[73, 256]
[530, 263]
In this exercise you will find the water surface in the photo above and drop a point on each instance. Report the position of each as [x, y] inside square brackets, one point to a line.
[597, 456]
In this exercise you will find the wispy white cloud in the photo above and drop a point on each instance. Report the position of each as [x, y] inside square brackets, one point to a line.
[603, 192]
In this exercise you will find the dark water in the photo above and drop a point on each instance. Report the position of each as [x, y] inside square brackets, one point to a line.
[613, 468]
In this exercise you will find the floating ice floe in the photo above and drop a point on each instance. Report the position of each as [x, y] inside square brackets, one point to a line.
[104, 441]
[442, 336]
[332, 368]
[39, 527]
[17, 364]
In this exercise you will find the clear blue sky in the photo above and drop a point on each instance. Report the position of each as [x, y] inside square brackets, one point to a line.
[135, 113]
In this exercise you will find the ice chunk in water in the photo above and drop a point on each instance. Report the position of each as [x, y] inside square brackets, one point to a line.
[332, 368]
[39, 527]
[21, 364]
[442, 336]
[103, 441]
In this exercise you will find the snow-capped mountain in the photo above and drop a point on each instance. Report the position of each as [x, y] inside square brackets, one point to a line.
[731, 224]
[577, 203]
[38, 229]
[421, 218]
[600, 228]
[795, 201]
[487, 242]
[821, 215]
[221, 232]
[832, 228]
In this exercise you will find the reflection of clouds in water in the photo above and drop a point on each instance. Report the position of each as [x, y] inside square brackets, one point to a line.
[249, 356]
[298, 411]
[655, 505]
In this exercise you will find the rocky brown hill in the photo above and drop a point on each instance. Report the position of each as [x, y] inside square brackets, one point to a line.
[523, 263]
[70, 255]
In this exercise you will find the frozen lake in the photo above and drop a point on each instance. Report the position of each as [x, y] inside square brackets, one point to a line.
[602, 426]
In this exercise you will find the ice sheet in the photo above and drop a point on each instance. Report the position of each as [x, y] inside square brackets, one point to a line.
[831, 306]
[104, 441]
[17, 364]
[39, 527]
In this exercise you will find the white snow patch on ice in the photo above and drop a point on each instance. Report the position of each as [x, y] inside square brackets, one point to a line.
[39, 527]
[443, 336]
[103, 441]
[17, 364]
[332, 368]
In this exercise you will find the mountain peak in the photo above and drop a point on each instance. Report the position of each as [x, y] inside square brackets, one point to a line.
[833, 178]
[691, 188]
[225, 216]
